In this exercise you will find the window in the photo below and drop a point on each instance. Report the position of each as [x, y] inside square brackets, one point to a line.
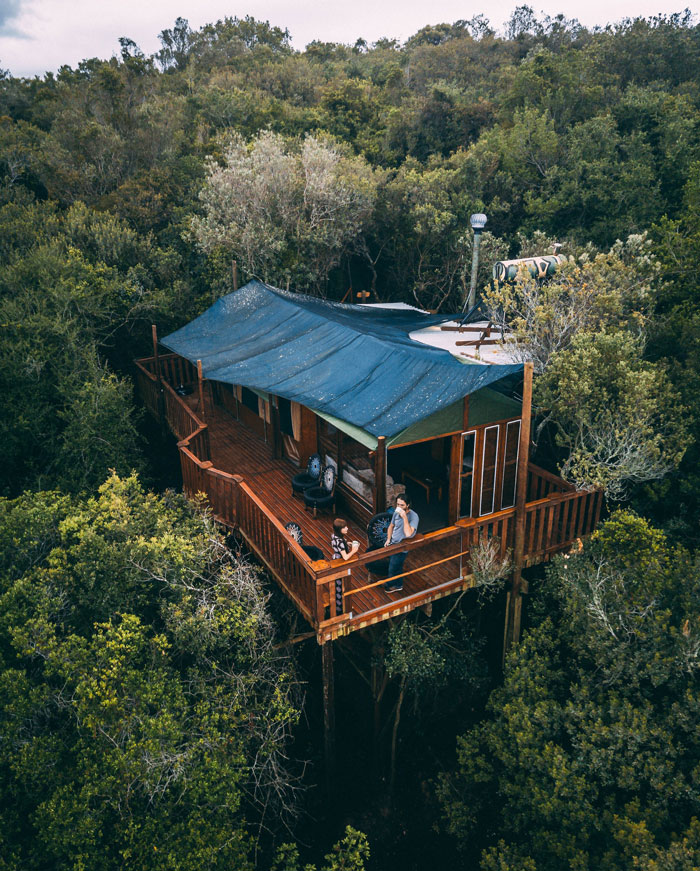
[249, 399]
[284, 406]
[466, 475]
[327, 441]
[510, 464]
[357, 468]
[488, 470]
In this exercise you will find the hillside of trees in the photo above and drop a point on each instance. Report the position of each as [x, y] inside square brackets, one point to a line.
[152, 714]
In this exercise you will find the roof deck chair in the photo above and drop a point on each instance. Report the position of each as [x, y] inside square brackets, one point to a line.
[310, 478]
[313, 553]
[323, 495]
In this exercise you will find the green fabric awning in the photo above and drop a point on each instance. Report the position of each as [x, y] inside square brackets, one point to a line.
[485, 406]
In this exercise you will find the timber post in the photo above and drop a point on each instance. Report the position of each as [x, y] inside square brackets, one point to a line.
[328, 714]
[154, 336]
[161, 397]
[234, 269]
[275, 425]
[200, 387]
[511, 633]
[380, 476]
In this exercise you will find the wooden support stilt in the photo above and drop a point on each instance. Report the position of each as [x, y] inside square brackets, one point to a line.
[511, 633]
[328, 714]
[200, 386]
[234, 269]
[378, 682]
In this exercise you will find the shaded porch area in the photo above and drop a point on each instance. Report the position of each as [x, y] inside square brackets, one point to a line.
[238, 451]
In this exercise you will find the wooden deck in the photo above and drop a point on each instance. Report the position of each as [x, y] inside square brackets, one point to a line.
[249, 490]
[235, 449]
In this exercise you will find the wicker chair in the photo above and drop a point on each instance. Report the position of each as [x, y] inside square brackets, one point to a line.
[322, 496]
[309, 478]
[376, 536]
[313, 553]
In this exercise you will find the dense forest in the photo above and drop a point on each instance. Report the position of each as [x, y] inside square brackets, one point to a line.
[152, 714]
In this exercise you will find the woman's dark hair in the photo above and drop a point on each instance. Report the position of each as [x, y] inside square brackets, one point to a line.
[338, 525]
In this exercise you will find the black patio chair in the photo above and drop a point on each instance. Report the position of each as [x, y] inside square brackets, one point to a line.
[322, 496]
[309, 478]
[313, 553]
[377, 529]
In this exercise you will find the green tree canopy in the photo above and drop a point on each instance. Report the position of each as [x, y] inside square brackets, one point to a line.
[145, 710]
[589, 755]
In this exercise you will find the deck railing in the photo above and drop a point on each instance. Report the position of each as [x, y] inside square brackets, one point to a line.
[556, 515]
[442, 559]
[541, 483]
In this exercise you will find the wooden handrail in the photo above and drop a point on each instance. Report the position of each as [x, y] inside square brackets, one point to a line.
[144, 370]
[439, 562]
[294, 546]
[412, 544]
[549, 476]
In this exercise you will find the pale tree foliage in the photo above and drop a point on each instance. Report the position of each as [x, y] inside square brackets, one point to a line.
[488, 567]
[603, 589]
[621, 582]
[591, 292]
[584, 329]
[288, 212]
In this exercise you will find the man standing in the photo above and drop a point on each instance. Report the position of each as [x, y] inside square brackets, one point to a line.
[404, 524]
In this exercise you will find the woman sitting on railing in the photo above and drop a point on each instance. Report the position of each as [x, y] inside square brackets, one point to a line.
[341, 550]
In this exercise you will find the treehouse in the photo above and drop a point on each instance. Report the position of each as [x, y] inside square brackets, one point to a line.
[392, 400]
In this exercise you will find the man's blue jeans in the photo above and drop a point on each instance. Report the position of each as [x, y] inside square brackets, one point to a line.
[396, 562]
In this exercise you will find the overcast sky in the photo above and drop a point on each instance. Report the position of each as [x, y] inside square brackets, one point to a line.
[40, 35]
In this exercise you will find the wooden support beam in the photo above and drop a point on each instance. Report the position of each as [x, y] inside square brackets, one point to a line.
[275, 426]
[200, 387]
[234, 269]
[380, 476]
[514, 604]
[154, 336]
[308, 441]
[328, 714]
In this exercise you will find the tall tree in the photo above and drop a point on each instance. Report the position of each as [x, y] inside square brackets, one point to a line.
[287, 215]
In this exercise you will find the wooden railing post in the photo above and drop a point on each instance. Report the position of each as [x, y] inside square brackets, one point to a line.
[200, 387]
[511, 633]
[154, 337]
[159, 380]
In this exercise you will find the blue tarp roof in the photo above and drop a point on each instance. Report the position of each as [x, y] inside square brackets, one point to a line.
[355, 363]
